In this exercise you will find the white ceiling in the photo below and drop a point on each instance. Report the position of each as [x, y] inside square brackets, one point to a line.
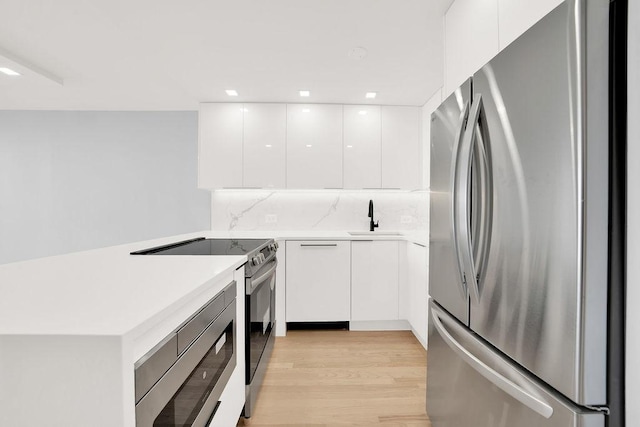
[171, 55]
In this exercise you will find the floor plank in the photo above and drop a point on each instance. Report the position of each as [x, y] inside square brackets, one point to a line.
[344, 378]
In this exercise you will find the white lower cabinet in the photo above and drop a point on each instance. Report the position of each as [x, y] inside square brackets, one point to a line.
[318, 281]
[374, 280]
[375, 285]
[414, 288]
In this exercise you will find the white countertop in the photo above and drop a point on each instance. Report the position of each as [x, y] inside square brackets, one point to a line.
[103, 291]
[109, 292]
[415, 236]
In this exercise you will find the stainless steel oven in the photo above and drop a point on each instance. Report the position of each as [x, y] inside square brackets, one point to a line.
[179, 382]
[260, 312]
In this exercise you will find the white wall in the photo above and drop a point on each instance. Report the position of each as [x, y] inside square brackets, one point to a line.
[72, 181]
[243, 210]
[633, 218]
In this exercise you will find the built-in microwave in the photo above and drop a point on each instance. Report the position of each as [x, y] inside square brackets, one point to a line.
[179, 382]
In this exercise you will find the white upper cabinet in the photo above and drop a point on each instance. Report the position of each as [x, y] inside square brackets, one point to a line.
[401, 151]
[471, 39]
[427, 109]
[362, 149]
[314, 146]
[517, 16]
[309, 146]
[220, 146]
[476, 30]
[265, 136]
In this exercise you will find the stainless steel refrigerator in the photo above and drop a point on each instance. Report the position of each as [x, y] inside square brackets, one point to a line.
[525, 323]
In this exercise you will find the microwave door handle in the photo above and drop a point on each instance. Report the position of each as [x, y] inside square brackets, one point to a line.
[464, 115]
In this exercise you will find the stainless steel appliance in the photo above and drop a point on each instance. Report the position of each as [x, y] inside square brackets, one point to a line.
[526, 315]
[260, 319]
[260, 299]
[179, 382]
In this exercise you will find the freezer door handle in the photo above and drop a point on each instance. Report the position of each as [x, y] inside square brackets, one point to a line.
[525, 397]
[455, 171]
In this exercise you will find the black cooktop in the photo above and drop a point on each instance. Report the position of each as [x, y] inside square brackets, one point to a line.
[202, 246]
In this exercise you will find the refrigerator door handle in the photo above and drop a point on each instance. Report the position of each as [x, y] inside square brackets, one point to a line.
[525, 397]
[461, 200]
[482, 211]
[464, 116]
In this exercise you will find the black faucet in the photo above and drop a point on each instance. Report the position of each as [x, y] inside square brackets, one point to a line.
[372, 224]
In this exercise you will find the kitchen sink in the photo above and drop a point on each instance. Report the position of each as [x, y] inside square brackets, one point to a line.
[375, 233]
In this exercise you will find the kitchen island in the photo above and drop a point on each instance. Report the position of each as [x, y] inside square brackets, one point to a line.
[72, 327]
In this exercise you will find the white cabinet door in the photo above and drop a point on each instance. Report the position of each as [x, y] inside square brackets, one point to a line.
[265, 133]
[362, 149]
[471, 40]
[314, 146]
[318, 281]
[220, 146]
[417, 289]
[401, 151]
[374, 280]
[517, 16]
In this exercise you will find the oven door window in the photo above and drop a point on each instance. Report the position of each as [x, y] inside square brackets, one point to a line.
[185, 405]
[260, 318]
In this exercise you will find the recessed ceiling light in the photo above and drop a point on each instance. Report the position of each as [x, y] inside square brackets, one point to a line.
[309, 145]
[305, 93]
[231, 92]
[268, 145]
[362, 112]
[9, 72]
[371, 95]
[244, 110]
[349, 146]
[306, 110]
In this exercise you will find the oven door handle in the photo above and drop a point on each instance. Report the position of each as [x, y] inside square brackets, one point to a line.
[254, 283]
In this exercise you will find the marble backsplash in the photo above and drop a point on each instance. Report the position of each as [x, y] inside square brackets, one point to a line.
[250, 210]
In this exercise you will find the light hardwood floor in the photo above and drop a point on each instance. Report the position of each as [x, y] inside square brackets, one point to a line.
[344, 378]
